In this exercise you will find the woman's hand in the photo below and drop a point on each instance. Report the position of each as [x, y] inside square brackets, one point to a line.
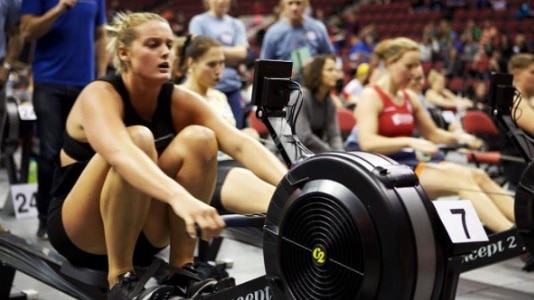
[194, 211]
[424, 147]
[471, 141]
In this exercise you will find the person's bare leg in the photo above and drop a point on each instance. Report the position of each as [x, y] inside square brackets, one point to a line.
[245, 193]
[124, 210]
[503, 199]
[454, 179]
[103, 214]
[192, 159]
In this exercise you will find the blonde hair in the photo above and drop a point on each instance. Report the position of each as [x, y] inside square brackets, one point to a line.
[122, 33]
[391, 50]
[520, 61]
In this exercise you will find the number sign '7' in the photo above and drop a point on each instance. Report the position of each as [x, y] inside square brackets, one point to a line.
[460, 220]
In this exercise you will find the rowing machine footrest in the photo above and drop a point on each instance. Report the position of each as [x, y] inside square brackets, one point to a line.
[94, 277]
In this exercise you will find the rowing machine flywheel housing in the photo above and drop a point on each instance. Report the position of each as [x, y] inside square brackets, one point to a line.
[524, 208]
[352, 226]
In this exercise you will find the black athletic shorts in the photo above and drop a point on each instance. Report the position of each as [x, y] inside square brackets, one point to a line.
[64, 180]
[223, 168]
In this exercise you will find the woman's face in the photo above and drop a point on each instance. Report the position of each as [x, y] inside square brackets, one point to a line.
[330, 73]
[207, 69]
[525, 79]
[405, 68]
[418, 81]
[150, 55]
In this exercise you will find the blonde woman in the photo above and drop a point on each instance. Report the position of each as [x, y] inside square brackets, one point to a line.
[138, 167]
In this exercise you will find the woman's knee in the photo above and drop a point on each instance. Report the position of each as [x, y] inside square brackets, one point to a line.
[143, 138]
[200, 141]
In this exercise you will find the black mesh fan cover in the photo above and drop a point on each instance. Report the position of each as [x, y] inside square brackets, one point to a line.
[314, 237]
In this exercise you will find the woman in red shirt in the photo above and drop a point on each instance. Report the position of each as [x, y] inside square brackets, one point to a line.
[388, 114]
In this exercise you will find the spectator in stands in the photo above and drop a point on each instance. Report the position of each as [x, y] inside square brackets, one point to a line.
[428, 47]
[496, 61]
[445, 36]
[70, 50]
[138, 165]
[354, 87]
[520, 44]
[363, 49]
[439, 95]
[387, 116]
[317, 126]
[470, 49]
[488, 36]
[203, 58]
[521, 66]
[472, 28]
[524, 11]
[10, 45]
[478, 92]
[506, 47]
[230, 32]
[452, 64]
[350, 18]
[296, 36]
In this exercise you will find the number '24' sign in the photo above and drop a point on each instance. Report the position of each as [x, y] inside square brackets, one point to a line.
[24, 200]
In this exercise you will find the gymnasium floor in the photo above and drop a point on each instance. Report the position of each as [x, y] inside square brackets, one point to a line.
[504, 280]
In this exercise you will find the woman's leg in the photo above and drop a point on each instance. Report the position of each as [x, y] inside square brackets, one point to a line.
[439, 179]
[503, 199]
[191, 158]
[245, 193]
[104, 214]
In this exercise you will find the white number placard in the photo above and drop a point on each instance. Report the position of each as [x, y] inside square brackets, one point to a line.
[460, 220]
[24, 200]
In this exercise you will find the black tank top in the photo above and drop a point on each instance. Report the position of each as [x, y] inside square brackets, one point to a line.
[161, 123]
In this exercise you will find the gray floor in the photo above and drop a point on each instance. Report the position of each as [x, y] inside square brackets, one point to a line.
[504, 280]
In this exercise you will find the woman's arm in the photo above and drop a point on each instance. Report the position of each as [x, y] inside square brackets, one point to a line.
[460, 102]
[428, 129]
[438, 100]
[101, 118]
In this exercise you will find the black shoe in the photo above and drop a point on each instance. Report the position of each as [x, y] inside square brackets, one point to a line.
[130, 288]
[187, 282]
[41, 231]
[207, 270]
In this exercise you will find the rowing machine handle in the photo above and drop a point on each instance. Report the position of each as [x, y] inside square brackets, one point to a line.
[238, 220]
